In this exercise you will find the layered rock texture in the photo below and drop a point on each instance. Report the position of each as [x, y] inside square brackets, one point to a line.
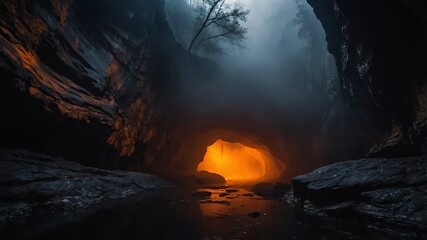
[380, 50]
[33, 184]
[82, 79]
[388, 194]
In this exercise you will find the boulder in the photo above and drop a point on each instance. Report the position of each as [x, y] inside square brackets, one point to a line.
[388, 194]
[208, 178]
[271, 189]
[35, 184]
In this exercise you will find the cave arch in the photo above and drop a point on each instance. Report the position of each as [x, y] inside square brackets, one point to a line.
[237, 162]
[192, 153]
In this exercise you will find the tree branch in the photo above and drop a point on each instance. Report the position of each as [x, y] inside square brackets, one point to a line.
[204, 23]
[217, 36]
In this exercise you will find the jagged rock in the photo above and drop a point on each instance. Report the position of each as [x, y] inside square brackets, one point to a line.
[80, 76]
[224, 194]
[271, 189]
[202, 194]
[381, 63]
[32, 184]
[231, 190]
[387, 193]
[204, 177]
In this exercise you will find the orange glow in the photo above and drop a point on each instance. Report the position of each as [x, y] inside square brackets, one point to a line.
[235, 204]
[240, 163]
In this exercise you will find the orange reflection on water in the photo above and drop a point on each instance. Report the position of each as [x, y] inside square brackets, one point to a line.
[238, 203]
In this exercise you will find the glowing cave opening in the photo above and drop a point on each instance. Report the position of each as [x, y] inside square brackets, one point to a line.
[240, 163]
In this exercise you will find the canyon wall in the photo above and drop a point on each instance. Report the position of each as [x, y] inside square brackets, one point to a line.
[86, 80]
[380, 50]
[101, 83]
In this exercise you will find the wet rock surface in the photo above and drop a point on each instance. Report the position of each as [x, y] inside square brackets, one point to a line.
[388, 194]
[231, 190]
[176, 214]
[35, 184]
[276, 190]
[204, 177]
[217, 202]
[202, 194]
[254, 214]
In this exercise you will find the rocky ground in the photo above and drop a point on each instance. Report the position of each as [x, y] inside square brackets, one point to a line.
[387, 194]
[32, 184]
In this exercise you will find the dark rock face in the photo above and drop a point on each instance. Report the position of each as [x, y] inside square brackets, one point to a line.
[381, 56]
[32, 184]
[389, 194]
[204, 177]
[81, 79]
[202, 194]
[380, 52]
[276, 190]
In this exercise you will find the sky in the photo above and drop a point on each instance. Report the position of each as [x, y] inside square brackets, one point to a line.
[278, 69]
[268, 23]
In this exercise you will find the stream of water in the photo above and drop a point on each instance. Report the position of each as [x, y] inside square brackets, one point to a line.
[188, 213]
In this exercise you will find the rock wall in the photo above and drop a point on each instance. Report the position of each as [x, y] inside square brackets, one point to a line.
[86, 80]
[381, 57]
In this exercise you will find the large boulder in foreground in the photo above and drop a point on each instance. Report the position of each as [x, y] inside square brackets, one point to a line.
[389, 194]
[32, 184]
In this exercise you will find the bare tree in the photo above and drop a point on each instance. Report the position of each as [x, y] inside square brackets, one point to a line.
[216, 20]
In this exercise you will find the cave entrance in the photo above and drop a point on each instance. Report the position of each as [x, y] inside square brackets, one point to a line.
[239, 163]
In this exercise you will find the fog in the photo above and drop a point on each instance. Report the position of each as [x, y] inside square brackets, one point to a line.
[283, 81]
[269, 23]
[284, 59]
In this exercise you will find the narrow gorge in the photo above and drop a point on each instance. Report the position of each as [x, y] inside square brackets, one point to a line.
[123, 120]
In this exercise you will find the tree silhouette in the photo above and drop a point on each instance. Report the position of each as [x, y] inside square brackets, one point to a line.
[216, 20]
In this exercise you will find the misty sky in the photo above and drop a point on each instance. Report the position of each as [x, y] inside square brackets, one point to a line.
[269, 22]
[269, 25]
[278, 69]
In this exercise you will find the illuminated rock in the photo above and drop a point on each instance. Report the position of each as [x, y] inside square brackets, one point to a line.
[240, 163]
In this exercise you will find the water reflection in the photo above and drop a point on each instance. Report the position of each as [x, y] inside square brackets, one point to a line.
[218, 213]
[237, 213]
[237, 202]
